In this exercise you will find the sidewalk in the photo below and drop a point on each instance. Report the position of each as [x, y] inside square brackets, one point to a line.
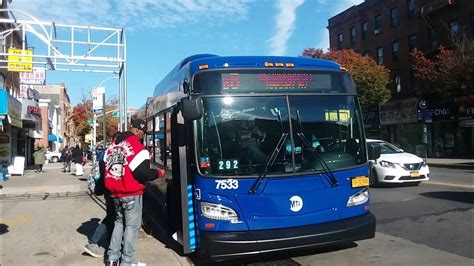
[451, 163]
[47, 218]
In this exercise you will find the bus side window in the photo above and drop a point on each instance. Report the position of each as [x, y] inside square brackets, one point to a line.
[168, 141]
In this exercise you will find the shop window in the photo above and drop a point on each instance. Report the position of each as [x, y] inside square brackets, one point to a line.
[394, 16]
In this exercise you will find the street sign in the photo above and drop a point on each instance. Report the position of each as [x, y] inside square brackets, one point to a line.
[117, 114]
[20, 61]
[90, 121]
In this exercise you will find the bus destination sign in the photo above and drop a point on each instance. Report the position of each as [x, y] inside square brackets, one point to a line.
[273, 81]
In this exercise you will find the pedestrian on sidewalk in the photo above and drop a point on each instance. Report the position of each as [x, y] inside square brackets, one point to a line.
[106, 227]
[77, 154]
[66, 156]
[39, 157]
[127, 169]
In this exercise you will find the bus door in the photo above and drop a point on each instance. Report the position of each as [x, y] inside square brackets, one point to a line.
[180, 189]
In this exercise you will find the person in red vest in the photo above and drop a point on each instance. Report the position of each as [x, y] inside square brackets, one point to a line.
[127, 169]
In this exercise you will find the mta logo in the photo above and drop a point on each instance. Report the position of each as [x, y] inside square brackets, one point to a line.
[296, 203]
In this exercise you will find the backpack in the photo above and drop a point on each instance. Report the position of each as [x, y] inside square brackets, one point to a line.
[96, 180]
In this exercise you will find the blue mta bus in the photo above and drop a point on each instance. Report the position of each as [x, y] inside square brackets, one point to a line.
[263, 154]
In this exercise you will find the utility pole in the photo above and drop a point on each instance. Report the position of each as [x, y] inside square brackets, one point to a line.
[104, 128]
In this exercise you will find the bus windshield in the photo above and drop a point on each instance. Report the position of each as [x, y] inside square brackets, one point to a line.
[237, 134]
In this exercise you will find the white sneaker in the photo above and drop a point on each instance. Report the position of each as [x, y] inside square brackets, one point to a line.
[139, 264]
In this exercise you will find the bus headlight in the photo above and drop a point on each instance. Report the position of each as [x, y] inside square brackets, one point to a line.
[358, 198]
[218, 212]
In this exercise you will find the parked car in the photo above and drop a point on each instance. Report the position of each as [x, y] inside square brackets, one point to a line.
[396, 166]
[53, 157]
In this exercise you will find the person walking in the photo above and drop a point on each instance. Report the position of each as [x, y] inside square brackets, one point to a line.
[77, 154]
[106, 227]
[39, 157]
[66, 156]
[127, 169]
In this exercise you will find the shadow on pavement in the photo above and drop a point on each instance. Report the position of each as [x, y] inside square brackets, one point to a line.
[394, 185]
[3, 229]
[277, 258]
[88, 228]
[460, 196]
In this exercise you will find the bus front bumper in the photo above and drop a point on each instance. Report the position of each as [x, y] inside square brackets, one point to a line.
[228, 245]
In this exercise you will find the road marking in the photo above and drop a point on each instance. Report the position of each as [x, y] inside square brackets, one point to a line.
[448, 184]
[16, 220]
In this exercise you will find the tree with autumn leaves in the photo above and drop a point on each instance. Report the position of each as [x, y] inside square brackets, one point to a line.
[371, 80]
[448, 73]
[83, 112]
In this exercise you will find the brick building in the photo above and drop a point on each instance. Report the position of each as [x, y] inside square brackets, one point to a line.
[387, 30]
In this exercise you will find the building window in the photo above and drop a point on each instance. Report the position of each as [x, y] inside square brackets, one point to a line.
[411, 7]
[432, 39]
[395, 50]
[353, 35]
[378, 24]
[365, 29]
[339, 41]
[413, 80]
[411, 42]
[453, 26]
[398, 85]
[394, 16]
[365, 53]
[379, 53]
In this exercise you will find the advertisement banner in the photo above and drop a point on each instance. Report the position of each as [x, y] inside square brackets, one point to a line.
[399, 112]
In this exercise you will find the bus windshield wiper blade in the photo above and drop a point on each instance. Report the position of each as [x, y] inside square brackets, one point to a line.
[270, 161]
[326, 170]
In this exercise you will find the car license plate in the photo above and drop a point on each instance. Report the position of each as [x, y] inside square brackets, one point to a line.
[359, 181]
[415, 174]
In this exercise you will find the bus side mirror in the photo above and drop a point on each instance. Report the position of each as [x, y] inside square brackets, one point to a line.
[374, 152]
[191, 109]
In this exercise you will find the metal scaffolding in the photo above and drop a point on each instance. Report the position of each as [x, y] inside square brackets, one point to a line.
[70, 48]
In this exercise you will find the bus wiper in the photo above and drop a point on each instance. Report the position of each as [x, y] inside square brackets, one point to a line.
[270, 161]
[326, 170]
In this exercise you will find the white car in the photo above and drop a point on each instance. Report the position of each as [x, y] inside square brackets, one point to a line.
[53, 157]
[396, 166]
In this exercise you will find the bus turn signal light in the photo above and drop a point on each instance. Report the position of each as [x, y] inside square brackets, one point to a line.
[203, 67]
[268, 64]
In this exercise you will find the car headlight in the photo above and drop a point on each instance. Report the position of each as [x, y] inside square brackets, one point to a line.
[358, 198]
[423, 164]
[387, 164]
[218, 212]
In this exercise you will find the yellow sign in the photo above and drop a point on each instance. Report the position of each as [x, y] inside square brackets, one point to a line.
[20, 60]
[341, 115]
[360, 181]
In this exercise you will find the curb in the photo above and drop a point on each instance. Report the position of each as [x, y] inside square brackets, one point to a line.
[453, 166]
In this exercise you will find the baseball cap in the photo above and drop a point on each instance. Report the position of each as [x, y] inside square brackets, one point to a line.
[139, 124]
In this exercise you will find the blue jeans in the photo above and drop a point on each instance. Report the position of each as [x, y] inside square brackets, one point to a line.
[106, 227]
[127, 223]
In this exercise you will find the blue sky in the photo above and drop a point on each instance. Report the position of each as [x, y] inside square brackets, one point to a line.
[162, 32]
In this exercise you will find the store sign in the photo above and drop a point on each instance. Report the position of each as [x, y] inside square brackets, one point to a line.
[33, 110]
[429, 111]
[36, 77]
[3, 102]
[399, 112]
[371, 117]
[20, 60]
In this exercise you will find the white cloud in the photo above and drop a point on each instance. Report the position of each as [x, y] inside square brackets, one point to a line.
[285, 25]
[323, 40]
[150, 14]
